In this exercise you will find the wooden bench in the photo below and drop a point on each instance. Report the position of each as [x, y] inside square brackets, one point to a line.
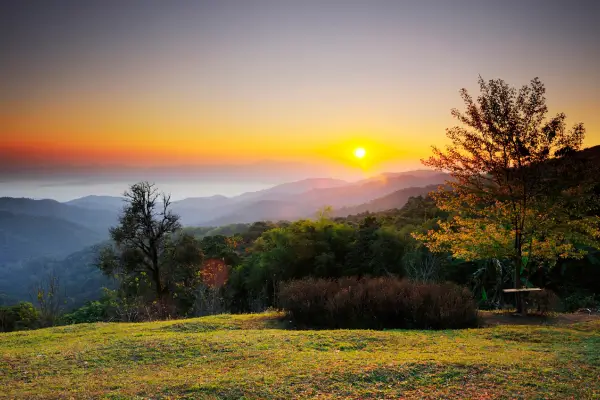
[522, 290]
[533, 289]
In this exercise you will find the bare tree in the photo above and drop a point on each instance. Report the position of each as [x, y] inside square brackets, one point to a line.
[50, 299]
[421, 266]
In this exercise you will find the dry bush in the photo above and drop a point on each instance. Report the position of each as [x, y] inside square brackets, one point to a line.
[377, 303]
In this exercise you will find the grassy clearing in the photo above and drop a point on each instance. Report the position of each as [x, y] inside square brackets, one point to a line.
[250, 356]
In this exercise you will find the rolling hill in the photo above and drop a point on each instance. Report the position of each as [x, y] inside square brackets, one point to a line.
[25, 237]
[110, 203]
[393, 200]
[265, 210]
[254, 356]
[98, 220]
[287, 201]
[248, 206]
[291, 188]
[367, 190]
[355, 197]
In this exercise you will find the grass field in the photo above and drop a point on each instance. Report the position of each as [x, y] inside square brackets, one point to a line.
[250, 356]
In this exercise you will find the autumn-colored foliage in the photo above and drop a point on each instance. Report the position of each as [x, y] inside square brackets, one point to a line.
[511, 195]
[214, 273]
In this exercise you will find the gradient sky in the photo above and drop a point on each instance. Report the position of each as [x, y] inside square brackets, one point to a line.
[150, 83]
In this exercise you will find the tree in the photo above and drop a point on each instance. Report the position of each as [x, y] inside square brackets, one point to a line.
[149, 248]
[50, 299]
[511, 196]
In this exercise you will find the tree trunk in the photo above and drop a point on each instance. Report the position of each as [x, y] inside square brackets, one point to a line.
[156, 276]
[156, 279]
[519, 302]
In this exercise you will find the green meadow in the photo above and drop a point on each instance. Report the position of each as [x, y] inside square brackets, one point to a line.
[254, 356]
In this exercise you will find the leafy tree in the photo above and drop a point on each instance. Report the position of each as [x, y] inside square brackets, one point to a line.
[221, 247]
[377, 250]
[150, 254]
[510, 196]
[304, 248]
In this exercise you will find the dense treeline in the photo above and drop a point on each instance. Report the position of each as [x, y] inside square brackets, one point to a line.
[260, 257]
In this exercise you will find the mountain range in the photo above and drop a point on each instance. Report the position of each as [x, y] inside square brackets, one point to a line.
[299, 199]
[37, 235]
[30, 229]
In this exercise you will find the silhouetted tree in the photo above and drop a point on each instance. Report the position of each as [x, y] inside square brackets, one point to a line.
[149, 247]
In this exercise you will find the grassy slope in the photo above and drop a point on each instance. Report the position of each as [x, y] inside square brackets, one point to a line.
[234, 356]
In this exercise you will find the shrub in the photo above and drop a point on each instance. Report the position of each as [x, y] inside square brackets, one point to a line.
[93, 311]
[377, 303]
[580, 300]
[21, 316]
[544, 301]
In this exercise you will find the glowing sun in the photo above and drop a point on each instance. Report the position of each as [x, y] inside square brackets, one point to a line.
[359, 152]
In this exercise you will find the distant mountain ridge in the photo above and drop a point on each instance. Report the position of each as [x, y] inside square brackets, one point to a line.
[27, 236]
[36, 228]
[288, 201]
[393, 200]
[110, 203]
[292, 188]
[197, 211]
[78, 275]
[95, 219]
[306, 204]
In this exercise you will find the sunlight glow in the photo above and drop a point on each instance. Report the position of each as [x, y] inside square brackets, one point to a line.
[359, 152]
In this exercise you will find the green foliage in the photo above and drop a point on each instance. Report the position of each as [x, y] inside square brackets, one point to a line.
[377, 250]
[225, 230]
[377, 303]
[316, 248]
[21, 316]
[104, 309]
[221, 247]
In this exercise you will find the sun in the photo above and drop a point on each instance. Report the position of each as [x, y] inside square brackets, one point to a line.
[360, 152]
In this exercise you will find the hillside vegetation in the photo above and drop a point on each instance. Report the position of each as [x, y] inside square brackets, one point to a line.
[253, 357]
[42, 236]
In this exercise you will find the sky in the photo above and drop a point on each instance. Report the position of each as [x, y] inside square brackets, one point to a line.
[107, 86]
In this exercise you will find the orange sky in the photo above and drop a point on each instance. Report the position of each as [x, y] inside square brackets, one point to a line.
[116, 84]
